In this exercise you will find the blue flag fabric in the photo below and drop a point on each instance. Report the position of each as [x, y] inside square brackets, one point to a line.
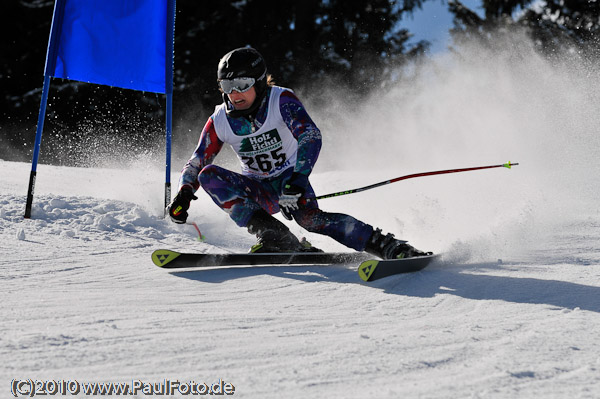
[120, 43]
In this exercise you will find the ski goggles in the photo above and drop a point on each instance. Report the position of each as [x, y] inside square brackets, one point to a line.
[240, 85]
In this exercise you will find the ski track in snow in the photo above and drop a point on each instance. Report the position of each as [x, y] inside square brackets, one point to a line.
[82, 300]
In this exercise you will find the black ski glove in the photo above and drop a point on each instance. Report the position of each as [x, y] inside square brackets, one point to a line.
[180, 204]
[292, 191]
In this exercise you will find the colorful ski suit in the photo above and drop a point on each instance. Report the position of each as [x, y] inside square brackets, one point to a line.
[280, 140]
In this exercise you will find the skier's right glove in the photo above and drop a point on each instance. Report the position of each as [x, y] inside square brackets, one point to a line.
[180, 204]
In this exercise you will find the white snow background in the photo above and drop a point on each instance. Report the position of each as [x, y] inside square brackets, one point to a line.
[512, 310]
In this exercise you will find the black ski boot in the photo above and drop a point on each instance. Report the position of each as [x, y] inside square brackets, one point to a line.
[387, 247]
[273, 236]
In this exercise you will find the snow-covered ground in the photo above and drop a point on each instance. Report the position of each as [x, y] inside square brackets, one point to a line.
[512, 310]
[81, 300]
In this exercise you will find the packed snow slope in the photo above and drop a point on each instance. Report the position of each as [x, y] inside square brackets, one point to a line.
[512, 310]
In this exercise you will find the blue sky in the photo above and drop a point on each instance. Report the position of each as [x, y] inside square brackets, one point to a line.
[433, 22]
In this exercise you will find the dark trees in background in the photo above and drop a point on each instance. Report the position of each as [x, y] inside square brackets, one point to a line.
[556, 26]
[357, 45]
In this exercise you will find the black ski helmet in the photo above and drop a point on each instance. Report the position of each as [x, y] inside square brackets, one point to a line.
[244, 62]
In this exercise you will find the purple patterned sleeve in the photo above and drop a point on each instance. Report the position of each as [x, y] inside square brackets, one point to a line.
[208, 147]
[304, 130]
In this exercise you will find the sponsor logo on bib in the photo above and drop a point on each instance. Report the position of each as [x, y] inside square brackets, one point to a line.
[262, 143]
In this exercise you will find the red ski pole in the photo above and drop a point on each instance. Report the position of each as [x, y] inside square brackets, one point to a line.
[383, 183]
[200, 236]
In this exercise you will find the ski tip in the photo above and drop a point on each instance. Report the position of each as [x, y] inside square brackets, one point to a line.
[161, 257]
[509, 165]
[366, 269]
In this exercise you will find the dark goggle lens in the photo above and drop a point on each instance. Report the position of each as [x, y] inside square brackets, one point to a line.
[240, 85]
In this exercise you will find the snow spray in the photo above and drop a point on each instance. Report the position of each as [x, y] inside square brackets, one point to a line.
[469, 106]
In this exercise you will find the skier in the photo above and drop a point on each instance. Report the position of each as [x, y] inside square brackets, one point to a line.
[277, 144]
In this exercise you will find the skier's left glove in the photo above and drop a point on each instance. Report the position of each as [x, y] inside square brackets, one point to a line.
[288, 201]
[180, 204]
